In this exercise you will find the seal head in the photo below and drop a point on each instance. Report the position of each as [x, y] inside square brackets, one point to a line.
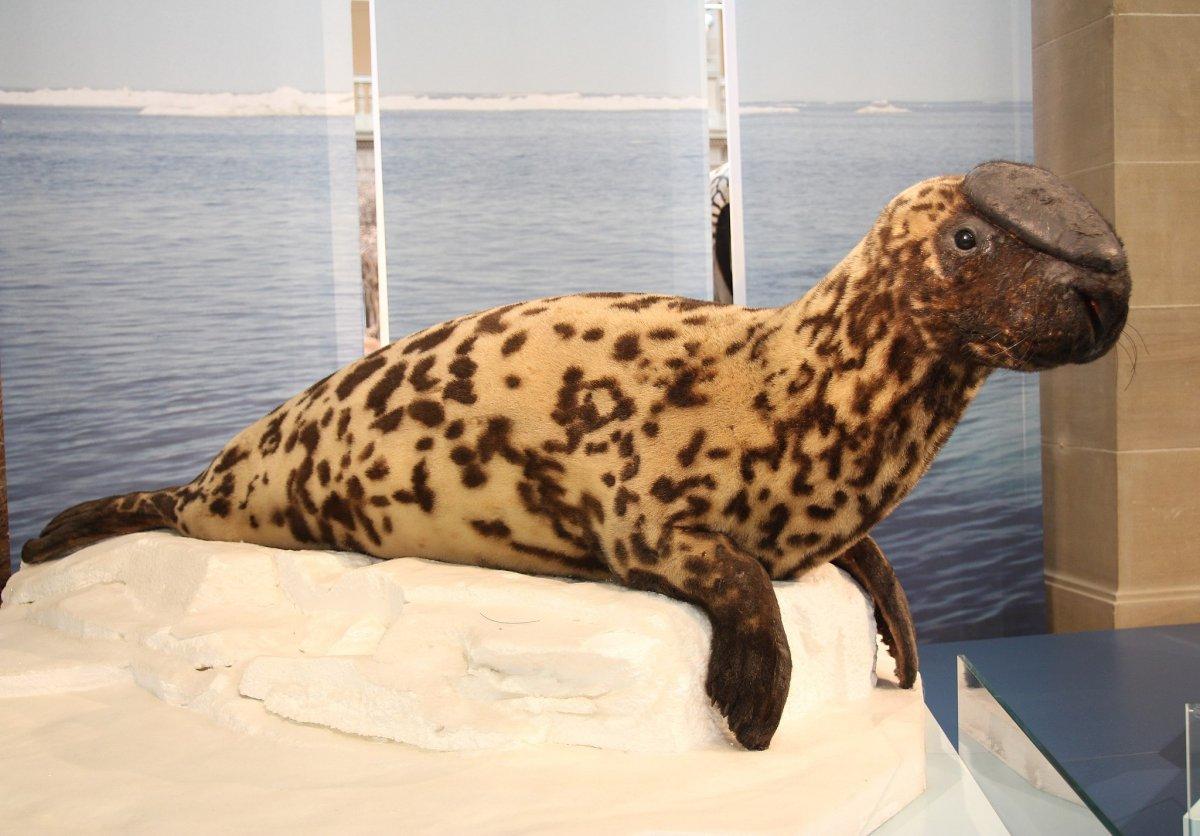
[1032, 275]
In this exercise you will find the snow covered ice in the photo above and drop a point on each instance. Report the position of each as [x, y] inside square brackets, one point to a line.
[268, 686]
[436, 655]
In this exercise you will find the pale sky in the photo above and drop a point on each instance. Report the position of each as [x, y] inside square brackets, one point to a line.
[789, 49]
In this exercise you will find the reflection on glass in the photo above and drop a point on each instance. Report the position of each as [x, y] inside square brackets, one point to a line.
[179, 222]
[728, 269]
[538, 149]
[371, 256]
[843, 106]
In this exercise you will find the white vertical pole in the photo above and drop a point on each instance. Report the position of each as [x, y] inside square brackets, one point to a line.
[737, 242]
[380, 233]
[710, 287]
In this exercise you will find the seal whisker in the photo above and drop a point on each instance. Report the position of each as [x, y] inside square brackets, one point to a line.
[1131, 351]
[1131, 327]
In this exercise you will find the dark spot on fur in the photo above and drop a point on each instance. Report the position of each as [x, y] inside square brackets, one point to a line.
[473, 476]
[377, 398]
[429, 413]
[390, 421]
[357, 373]
[773, 526]
[463, 367]
[420, 379]
[420, 493]
[430, 338]
[682, 391]
[591, 335]
[626, 348]
[491, 528]
[623, 498]
[298, 526]
[738, 507]
[512, 381]
[513, 343]
[461, 390]
[232, 456]
[666, 489]
[641, 549]
[493, 321]
[688, 454]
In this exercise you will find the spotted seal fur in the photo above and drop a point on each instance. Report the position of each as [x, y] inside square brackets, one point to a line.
[673, 445]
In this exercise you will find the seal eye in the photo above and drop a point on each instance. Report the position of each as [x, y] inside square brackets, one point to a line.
[964, 239]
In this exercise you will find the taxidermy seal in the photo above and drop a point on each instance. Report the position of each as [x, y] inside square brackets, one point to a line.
[692, 449]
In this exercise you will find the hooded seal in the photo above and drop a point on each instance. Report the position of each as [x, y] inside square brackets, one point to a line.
[667, 444]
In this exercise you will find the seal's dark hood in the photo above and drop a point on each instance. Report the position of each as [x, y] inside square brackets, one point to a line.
[1045, 212]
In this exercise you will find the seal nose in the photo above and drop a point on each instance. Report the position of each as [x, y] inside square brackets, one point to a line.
[1100, 300]
[1045, 212]
[1105, 310]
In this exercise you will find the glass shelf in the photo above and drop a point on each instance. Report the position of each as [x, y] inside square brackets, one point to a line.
[1024, 784]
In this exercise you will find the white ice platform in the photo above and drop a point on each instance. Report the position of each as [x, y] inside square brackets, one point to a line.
[154, 680]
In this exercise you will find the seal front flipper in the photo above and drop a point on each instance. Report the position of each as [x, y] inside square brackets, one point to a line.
[749, 665]
[866, 564]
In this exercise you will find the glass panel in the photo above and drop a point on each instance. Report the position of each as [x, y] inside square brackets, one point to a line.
[843, 106]
[179, 237]
[540, 148]
[1191, 736]
[724, 153]
[1022, 784]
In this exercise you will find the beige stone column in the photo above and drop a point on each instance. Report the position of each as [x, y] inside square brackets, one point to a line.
[1116, 86]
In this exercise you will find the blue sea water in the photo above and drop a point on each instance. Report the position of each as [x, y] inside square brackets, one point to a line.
[165, 281]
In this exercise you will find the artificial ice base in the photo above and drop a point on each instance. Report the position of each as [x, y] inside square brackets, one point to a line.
[151, 669]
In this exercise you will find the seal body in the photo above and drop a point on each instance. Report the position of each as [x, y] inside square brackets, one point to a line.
[684, 447]
[562, 436]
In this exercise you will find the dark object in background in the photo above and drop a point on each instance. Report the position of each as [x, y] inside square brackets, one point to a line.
[719, 219]
[721, 251]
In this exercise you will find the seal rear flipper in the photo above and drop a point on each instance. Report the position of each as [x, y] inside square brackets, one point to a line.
[98, 519]
[864, 561]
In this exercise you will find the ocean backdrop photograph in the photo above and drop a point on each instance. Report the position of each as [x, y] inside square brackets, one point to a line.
[176, 259]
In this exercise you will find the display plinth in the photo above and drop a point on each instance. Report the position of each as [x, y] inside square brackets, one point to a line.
[82, 675]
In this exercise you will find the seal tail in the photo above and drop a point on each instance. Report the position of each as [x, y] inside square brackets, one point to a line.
[98, 519]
